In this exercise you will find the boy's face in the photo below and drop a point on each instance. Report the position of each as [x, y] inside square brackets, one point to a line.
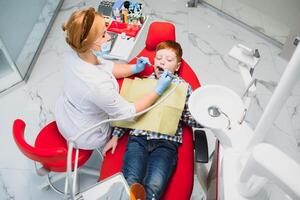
[165, 59]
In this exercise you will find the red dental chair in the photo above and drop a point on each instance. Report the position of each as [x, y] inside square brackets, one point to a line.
[180, 185]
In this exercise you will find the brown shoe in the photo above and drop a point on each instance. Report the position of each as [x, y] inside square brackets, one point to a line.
[137, 192]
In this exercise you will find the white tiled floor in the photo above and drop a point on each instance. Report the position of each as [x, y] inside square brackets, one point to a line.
[206, 38]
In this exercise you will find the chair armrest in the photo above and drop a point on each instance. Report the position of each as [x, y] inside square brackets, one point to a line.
[200, 145]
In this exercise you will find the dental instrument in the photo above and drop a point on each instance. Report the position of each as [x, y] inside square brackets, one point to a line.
[215, 111]
[148, 60]
[140, 65]
[70, 184]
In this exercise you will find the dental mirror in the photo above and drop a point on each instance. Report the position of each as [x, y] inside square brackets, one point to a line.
[214, 111]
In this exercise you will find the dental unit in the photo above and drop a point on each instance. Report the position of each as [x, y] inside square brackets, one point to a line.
[71, 178]
[246, 164]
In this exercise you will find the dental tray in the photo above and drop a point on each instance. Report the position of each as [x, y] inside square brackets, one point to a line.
[120, 27]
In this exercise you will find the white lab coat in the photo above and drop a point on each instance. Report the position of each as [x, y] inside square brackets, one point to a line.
[90, 96]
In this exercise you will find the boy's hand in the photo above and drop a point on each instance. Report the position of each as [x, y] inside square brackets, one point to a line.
[112, 144]
[140, 65]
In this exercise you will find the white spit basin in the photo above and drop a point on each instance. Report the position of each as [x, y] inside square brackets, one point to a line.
[229, 104]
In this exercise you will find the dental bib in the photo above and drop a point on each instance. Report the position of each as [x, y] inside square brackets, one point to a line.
[165, 117]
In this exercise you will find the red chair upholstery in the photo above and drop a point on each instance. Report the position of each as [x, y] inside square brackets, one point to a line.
[50, 148]
[181, 184]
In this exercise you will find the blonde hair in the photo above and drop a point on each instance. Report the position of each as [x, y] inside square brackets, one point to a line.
[82, 29]
[169, 44]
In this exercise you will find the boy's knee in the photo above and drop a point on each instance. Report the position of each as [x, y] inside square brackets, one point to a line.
[130, 177]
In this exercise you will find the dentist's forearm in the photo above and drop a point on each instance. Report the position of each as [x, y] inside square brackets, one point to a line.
[146, 101]
[121, 70]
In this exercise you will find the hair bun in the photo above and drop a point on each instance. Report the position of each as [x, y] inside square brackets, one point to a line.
[64, 27]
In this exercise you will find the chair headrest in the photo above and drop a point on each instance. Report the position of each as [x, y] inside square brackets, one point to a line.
[159, 32]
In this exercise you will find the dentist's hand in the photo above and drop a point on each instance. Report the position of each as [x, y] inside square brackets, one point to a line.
[163, 83]
[140, 65]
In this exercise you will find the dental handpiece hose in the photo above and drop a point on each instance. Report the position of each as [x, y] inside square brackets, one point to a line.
[72, 141]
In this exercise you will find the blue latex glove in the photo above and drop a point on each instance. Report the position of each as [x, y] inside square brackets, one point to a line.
[163, 83]
[140, 65]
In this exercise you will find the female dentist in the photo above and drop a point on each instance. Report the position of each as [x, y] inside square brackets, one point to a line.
[90, 92]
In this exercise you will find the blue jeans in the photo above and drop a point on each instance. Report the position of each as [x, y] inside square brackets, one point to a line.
[150, 163]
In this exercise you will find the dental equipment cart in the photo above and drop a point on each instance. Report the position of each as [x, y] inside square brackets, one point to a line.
[125, 48]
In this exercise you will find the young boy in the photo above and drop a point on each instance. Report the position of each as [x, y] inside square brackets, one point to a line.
[151, 157]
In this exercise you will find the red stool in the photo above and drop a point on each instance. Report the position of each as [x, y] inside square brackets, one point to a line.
[50, 150]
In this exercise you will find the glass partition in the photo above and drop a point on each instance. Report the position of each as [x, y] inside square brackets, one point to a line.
[24, 26]
[9, 75]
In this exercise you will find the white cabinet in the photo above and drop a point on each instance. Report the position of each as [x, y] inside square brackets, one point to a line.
[126, 48]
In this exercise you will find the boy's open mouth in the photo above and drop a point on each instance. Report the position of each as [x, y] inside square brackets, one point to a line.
[159, 70]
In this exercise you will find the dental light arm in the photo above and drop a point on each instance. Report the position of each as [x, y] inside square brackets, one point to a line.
[287, 82]
[70, 182]
[280, 169]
